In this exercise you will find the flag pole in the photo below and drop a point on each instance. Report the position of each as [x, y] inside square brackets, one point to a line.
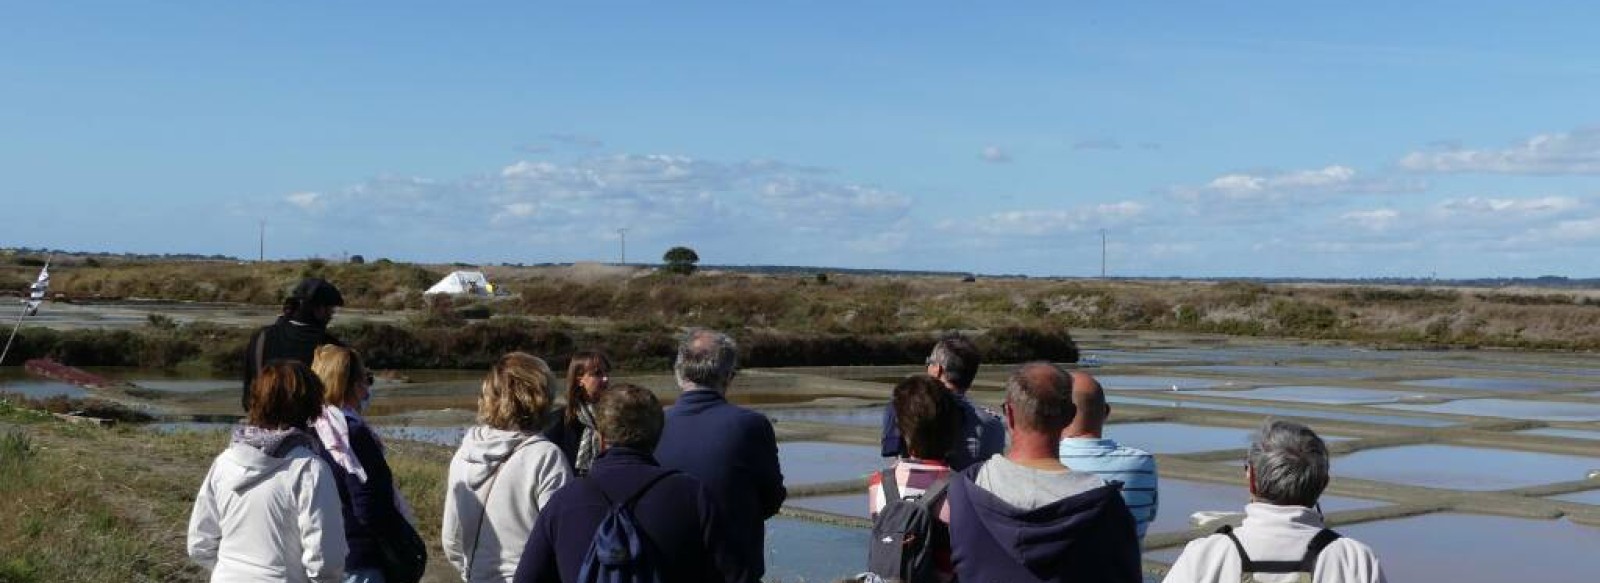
[21, 316]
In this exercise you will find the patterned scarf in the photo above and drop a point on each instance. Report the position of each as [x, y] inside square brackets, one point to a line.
[589, 444]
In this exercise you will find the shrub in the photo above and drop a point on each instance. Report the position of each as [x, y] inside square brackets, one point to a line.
[680, 260]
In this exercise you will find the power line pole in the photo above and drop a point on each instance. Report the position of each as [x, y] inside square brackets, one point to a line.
[1102, 253]
[623, 233]
[261, 250]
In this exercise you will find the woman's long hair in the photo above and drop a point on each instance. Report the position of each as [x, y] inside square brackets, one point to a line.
[582, 363]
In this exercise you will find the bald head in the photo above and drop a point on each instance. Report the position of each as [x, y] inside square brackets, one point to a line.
[1089, 398]
[1040, 398]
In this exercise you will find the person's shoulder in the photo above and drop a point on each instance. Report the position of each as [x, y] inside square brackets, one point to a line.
[1348, 548]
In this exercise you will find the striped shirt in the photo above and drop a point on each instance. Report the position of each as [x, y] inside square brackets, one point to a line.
[912, 478]
[1135, 468]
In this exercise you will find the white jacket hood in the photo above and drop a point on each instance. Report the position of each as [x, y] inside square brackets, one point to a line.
[484, 449]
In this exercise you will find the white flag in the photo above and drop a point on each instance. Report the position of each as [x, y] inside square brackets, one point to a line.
[37, 291]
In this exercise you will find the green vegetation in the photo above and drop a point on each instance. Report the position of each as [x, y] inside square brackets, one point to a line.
[680, 260]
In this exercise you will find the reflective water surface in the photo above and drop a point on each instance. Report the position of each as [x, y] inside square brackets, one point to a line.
[1322, 395]
[1481, 549]
[810, 462]
[1462, 468]
[1311, 372]
[1540, 410]
[1493, 384]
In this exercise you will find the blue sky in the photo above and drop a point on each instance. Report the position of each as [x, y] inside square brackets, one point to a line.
[1208, 139]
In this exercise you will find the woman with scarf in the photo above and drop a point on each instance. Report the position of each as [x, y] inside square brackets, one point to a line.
[269, 508]
[572, 429]
[372, 505]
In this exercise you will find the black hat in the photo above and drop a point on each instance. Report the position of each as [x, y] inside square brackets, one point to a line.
[317, 291]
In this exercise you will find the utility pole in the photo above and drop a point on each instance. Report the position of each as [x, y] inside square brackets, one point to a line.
[261, 250]
[1102, 253]
[623, 233]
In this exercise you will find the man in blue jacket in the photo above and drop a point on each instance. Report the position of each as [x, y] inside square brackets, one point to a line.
[730, 449]
[954, 361]
[681, 527]
[1023, 517]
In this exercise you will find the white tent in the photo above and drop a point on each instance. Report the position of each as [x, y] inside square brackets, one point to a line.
[462, 283]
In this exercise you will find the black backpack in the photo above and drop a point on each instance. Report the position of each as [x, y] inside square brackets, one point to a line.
[1305, 567]
[902, 532]
[618, 553]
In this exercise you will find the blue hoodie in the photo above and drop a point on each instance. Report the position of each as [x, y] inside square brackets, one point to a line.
[1085, 537]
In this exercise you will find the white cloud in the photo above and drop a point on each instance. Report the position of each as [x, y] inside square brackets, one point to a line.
[1576, 152]
[995, 155]
[1298, 186]
[1577, 230]
[1034, 223]
[1373, 220]
[1509, 207]
[1097, 144]
[305, 200]
[810, 200]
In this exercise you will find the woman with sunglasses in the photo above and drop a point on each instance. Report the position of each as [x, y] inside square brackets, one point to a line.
[572, 428]
[372, 505]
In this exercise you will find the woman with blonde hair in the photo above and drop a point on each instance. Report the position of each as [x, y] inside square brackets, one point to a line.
[503, 473]
[573, 427]
[374, 510]
[269, 508]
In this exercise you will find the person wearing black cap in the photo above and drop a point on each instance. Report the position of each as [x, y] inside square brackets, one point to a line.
[297, 333]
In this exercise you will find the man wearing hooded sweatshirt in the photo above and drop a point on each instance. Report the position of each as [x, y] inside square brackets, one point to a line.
[269, 509]
[297, 333]
[1023, 517]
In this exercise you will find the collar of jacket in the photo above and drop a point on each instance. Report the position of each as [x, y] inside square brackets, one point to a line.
[700, 397]
[624, 456]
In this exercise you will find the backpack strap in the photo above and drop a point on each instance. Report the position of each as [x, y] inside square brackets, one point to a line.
[637, 494]
[1306, 564]
[891, 489]
[1325, 537]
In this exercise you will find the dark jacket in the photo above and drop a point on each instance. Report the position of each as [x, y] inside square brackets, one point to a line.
[566, 436]
[983, 434]
[1086, 537]
[283, 339]
[369, 507]
[732, 450]
[681, 525]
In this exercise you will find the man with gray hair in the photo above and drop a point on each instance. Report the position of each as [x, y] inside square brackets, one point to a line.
[1026, 517]
[954, 361]
[1282, 538]
[731, 450]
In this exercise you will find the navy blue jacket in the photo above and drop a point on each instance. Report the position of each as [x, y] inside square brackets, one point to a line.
[1085, 537]
[284, 339]
[983, 434]
[681, 525]
[369, 508]
[733, 451]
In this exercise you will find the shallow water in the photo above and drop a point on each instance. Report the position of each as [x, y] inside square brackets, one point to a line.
[1588, 497]
[1113, 383]
[853, 504]
[1318, 394]
[188, 427]
[446, 436]
[1493, 384]
[1267, 411]
[1462, 468]
[42, 389]
[1310, 372]
[807, 552]
[811, 462]
[1179, 499]
[854, 416]
[1560, 432]
[1164, 437]
[1539, 410]
[1481, 549]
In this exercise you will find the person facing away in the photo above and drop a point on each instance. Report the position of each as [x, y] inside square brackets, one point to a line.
[1084, 449]
[679, 525]
[297, 333]
[269, 508]
[929, 418]
[572, 427]
[372, 504]
[1286, 471]
[954, 362]
[504, 472]
[730, 449]
[1024, 517]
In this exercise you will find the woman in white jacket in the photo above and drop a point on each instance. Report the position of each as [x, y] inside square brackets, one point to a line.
[504, 472]
[269, 509]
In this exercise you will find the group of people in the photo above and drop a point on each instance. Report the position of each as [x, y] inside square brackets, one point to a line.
[613, 487]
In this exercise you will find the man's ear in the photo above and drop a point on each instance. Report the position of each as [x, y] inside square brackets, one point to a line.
[1250, 480]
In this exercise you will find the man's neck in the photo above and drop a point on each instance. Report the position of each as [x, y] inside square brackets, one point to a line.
[1040, 452]
[1080, 434]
